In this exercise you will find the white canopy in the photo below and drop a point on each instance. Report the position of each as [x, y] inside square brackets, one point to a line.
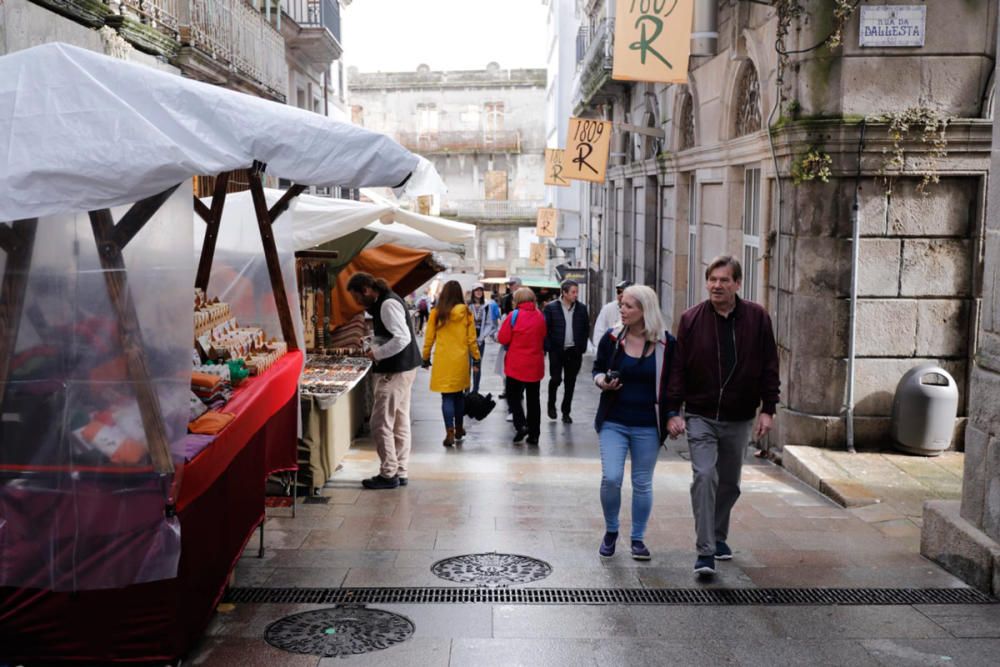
[317, 220]
[441, 228]
[83, 131]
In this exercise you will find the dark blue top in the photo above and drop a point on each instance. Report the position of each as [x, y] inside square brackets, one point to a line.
[635, 402]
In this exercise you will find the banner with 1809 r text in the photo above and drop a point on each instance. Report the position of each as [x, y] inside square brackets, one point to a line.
[652, 40]
[587, 148]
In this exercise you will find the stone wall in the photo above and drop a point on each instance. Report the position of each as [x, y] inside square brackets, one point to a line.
[920, 253]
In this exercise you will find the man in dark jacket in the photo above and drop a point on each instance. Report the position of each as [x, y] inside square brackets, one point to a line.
[395, 360]
[567, 325]
[726, 367]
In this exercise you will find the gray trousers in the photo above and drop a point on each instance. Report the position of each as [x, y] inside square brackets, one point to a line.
[717, 450]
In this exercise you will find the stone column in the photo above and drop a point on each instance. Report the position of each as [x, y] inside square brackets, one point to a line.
[965, 537]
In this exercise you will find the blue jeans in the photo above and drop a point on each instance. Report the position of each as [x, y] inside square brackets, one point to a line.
[453, 408]
[644, 444]
[477, 374]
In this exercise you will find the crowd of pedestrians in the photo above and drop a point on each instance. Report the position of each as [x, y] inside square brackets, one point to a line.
[709, 381]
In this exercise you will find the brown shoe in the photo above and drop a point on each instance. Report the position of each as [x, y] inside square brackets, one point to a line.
[459, 433]
[449, 439]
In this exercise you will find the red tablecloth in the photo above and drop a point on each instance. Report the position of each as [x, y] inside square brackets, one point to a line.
[221, 503]
[253, 403]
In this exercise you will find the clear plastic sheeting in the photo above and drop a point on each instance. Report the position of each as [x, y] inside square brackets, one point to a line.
[81, 505]
[240, 275]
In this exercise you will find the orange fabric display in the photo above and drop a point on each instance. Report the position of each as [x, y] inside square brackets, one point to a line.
[211, 422]
[400, 267]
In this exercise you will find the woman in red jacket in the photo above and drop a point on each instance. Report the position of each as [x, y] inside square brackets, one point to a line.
[523, 332]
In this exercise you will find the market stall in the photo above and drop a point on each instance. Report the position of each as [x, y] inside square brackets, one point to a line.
[326, 242]
[119, 531]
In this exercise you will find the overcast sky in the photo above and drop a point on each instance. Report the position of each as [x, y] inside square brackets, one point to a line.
[398, 35]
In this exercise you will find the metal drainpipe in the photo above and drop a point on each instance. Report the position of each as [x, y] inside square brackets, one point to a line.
[855, 256]
[705, 33]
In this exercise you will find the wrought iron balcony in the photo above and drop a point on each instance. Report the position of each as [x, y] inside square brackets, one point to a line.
[230, 37]
[593, 69]
[491, 209]
[318, 34]
[160, 15]
[452, 142]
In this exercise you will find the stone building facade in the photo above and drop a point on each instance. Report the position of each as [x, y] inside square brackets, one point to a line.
[965, 536]
[291, 54]
[483, 131]
[695, 173]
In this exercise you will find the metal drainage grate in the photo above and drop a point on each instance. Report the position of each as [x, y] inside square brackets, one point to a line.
[491, 569]
[594, 596]
[342, 631]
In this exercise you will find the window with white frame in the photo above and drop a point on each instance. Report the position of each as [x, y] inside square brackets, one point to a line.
[693, 277]
[427, 118]
[496, 248]
[751, 235]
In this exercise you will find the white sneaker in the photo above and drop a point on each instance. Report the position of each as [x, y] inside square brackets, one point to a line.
[510, 417]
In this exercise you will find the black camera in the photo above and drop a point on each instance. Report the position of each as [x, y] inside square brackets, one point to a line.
[611, 376]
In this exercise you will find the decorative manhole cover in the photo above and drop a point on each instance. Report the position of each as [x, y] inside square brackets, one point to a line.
[492, 569]
[337, 632]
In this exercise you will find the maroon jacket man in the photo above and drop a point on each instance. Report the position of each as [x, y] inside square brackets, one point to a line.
[725, 368]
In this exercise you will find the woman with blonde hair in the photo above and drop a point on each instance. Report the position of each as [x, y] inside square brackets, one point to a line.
[523, 332]
[451, 333]
[631, 370]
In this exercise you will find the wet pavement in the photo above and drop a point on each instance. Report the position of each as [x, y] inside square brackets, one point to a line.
[491, 495]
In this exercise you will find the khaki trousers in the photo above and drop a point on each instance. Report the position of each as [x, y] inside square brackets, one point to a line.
[390, 421]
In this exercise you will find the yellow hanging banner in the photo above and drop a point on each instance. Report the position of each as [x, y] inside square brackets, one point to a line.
[587, 147]
[652, 40]
[539, 254]
[548, 220]
[554, 167]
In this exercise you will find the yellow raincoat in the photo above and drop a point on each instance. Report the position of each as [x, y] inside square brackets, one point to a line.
[455, 341]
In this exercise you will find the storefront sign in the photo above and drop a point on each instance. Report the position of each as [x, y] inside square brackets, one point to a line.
[587, 148]
[548, 222]
[893, 25]
[539, 254]
[554, 167]
[652, 40]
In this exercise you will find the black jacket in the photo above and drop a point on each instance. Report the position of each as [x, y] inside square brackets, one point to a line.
[696, 379]
[609, 357]
[555, 323]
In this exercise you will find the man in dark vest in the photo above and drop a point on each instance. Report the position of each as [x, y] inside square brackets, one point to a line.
[396, 358]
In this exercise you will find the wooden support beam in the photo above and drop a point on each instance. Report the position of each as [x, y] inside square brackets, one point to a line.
[116, 279]
[271, 255]
[285, 200]
[8, 239]
[19, 242]
[212, 232]
[203, 212]
[139, 215]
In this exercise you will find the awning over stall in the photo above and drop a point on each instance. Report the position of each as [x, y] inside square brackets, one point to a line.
[81, 131]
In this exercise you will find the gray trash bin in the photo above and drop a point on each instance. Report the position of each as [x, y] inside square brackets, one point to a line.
[924, 410]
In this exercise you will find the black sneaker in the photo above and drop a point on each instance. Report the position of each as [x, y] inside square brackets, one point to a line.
[607, 549]
[705, 566]
[520, 435]
[567, 419]
[380, 482]
[639, 551]
[722, 551]
[552, 412]
[403, 481]
[532, 440]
